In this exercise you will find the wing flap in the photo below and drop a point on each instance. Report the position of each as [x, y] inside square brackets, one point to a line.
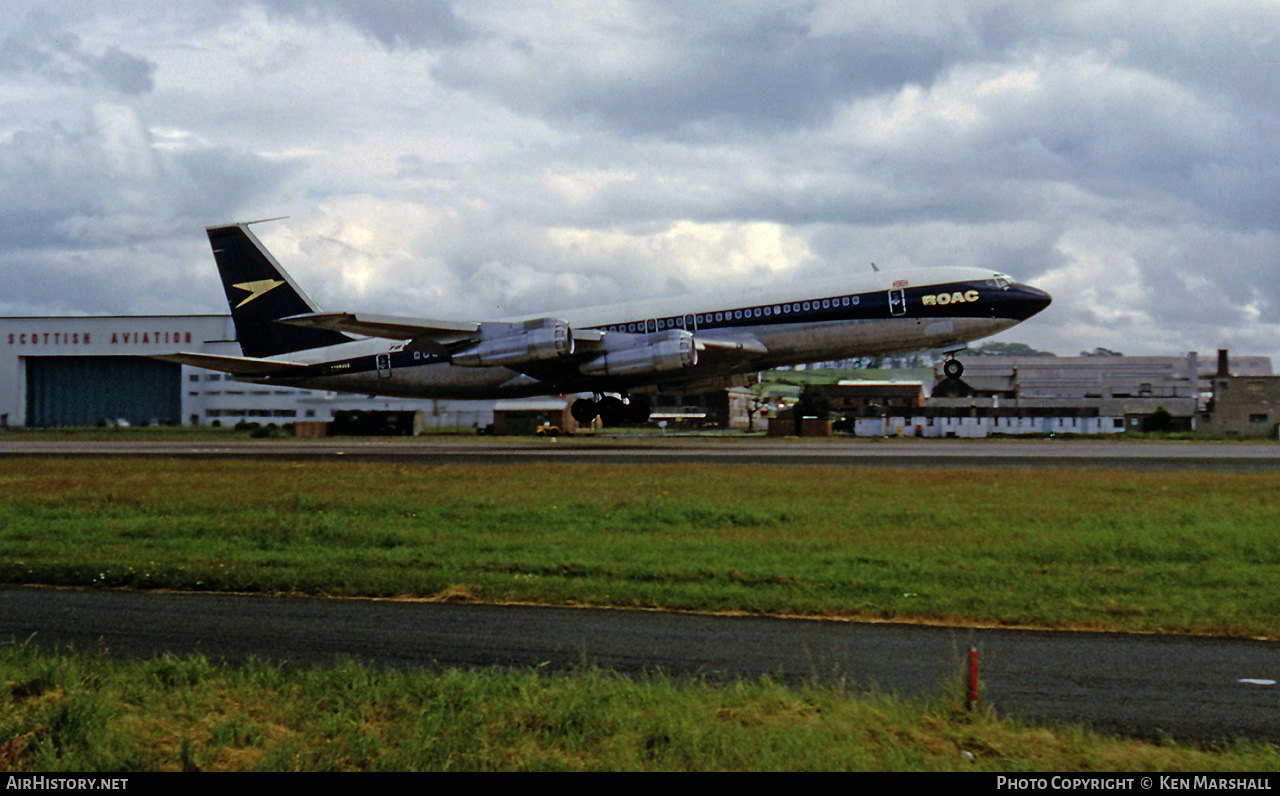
[743, 345]
[236, 366]
[390, 327]
[426, 334]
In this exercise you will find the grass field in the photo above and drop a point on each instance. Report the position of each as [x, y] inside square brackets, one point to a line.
[1168, 552]
[1104, 550]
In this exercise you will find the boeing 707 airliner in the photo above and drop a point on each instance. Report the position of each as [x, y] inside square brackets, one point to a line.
[694, 343]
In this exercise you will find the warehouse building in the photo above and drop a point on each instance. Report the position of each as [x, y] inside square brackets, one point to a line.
[87, 371]
[91, 370]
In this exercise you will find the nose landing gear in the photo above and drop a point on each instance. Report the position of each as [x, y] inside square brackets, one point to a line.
[953, 368]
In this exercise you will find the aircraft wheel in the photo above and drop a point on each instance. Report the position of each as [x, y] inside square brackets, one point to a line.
[613, 411]
[953, 368]
[584, 410]
[637, 412]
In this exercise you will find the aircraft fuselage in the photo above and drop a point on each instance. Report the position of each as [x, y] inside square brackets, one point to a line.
[838, 318]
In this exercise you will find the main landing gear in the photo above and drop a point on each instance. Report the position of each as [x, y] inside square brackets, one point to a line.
[952, 368]
[612, 411]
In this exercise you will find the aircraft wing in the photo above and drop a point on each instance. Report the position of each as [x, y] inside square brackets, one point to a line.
[589, 341]
[718, 356]
[427, 334]
[637, 357]
[730, 346]
[236, 366]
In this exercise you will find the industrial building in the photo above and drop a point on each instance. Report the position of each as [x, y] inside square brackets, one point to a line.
[1093, 386]
[1070, 395]
[1247, 406]
[871, 398]
[1243, 404]
[87, 371]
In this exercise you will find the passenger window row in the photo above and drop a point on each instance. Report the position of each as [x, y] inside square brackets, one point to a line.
[729, 316]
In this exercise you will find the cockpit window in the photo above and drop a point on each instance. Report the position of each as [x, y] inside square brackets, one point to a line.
[1000, 281]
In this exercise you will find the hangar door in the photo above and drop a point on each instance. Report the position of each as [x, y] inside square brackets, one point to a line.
[82, 391]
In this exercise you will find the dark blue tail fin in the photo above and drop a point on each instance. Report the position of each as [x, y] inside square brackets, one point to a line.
[260, 292]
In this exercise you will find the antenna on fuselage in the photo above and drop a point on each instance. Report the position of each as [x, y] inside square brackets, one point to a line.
[874, 268]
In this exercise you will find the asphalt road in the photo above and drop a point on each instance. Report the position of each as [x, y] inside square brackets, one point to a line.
[1235, 457]
[1136, 685]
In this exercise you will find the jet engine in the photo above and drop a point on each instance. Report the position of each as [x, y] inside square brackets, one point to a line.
[506, 345]
[674, 352]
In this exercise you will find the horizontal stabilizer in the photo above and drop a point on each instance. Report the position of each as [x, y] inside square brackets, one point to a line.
[236, 366]
[426, 333]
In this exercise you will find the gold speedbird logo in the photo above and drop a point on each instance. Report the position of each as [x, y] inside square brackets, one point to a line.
[255, 289]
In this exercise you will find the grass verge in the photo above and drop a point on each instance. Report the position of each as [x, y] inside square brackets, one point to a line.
[76, 712]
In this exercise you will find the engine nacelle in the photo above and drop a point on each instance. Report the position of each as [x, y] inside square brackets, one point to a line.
[675, 352]
[512, 346]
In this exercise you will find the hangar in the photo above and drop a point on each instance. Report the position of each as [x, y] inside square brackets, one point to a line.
[94, 370]
[84, 371]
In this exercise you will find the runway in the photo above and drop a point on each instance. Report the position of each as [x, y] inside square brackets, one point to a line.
[1136, 685]
[1218, 456]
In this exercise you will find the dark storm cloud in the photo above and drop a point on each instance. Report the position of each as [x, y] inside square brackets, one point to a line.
[67, 190]
[768, 71]
[128, 73]
[219, 184]
[73, 284]
[49, 175]
[772, 75]
[422, 23]
[63, 58]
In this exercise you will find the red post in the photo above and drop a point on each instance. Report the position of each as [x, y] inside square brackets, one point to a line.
[973, 677]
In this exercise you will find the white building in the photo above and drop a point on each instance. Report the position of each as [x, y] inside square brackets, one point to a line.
[84, 371]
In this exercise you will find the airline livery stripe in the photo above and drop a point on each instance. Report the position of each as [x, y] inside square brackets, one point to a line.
[850, 307]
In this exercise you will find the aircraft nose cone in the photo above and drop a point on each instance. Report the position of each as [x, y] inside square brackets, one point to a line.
[1030, 301]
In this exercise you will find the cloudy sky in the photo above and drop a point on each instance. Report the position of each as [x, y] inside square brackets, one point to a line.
[464, 159]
